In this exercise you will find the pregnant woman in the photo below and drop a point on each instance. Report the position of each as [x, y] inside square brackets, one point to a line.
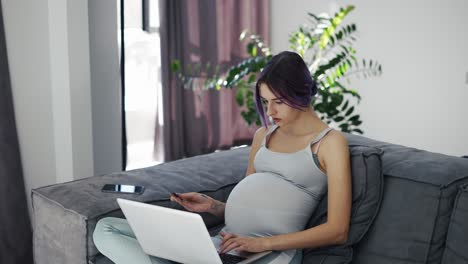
[286, 178]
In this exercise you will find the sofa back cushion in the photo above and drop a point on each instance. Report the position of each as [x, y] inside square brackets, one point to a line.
[456, 244]
[419, 192]
[367, 186]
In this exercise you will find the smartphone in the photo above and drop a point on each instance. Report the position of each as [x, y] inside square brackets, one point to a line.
[123, 188]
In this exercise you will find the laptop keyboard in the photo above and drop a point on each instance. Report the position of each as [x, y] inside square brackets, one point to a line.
[230, 259]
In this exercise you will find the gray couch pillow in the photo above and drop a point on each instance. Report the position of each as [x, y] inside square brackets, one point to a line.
[456, 244]
[367, 180]
[419, 192]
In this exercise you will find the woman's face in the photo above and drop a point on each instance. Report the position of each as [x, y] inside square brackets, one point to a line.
[275, 108]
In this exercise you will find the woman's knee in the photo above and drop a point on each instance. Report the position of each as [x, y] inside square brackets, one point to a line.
[102, 230]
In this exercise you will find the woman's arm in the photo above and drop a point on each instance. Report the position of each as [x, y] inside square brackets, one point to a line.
[217, 208]
[256, 144]
[335, 231]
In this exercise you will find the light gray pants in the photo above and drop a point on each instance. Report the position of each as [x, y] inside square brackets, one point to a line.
[115, 239]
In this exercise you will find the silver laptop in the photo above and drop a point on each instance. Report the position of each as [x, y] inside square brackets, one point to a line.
[177, 235]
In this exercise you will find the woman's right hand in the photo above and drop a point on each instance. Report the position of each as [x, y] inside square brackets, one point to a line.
[194, 202]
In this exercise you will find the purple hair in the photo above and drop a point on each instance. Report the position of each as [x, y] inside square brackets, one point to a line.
[288, 78]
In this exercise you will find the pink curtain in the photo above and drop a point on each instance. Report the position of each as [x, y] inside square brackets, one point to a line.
[204, 31]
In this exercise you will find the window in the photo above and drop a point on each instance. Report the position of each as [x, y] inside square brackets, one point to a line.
[142, 79]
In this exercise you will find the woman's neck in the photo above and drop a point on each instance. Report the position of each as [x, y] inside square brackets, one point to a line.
[307, 123]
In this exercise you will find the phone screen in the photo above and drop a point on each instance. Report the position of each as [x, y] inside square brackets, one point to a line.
[123, 188]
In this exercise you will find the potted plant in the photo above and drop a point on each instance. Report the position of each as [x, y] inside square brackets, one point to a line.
[325, 43]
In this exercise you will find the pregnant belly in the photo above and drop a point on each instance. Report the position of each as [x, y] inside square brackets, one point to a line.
[264, 204]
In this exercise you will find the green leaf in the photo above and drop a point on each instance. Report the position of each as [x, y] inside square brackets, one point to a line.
[252, 78]
[175, 66]
[250, 47]
[344, 47]
[332, 63]
[335, 22]
[319, 107]
[343, 126]
[345, 105]
[329, 81]
[350, 110]
[357, 122]
[358, 130]
[314, 16]
[353, 118]
[240, 94]
[338, 118]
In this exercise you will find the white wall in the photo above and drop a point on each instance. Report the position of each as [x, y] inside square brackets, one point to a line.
[48, 44]
[419, 99]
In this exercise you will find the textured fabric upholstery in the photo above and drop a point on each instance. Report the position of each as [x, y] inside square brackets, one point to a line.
[419, 191]
[457, 244]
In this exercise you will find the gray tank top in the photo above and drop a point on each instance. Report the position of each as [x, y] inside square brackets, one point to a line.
[279, 197]
[300, 168]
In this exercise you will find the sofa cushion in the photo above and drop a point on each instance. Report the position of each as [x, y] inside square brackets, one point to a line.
[456, 244]
[419, 191]
[367, 189]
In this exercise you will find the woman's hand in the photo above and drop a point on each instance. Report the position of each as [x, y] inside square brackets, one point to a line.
[194, 202]
[249, 244]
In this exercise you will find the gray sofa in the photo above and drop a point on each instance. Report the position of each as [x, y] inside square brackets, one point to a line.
[409, 205]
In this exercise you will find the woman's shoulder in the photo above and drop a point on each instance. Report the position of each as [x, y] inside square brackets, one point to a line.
[333, 141]
[336, 136]
[262, 131]
[259, 135]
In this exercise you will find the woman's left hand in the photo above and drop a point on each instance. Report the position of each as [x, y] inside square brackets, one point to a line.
[239, 243]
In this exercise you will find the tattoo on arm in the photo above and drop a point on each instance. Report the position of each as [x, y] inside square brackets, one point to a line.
[216, 206]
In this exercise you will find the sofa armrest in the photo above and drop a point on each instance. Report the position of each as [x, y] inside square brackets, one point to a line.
[65, 214]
